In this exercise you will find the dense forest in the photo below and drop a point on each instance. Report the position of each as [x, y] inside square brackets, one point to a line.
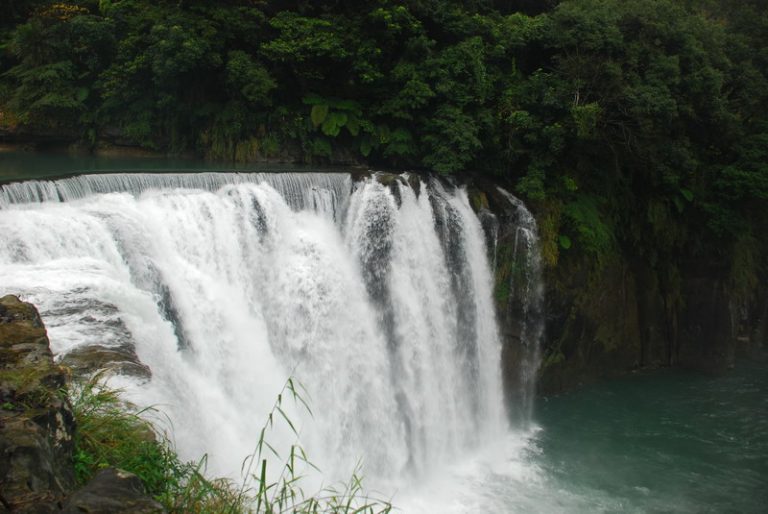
[635, 128]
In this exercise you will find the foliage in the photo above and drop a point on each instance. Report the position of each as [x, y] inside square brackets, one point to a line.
[111, 433]
[60, 51]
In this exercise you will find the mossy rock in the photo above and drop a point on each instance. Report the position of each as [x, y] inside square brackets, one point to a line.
[121, 360]
[415, 182]
[389, 179]
[27, 371]
[478, 199]
[36, 422]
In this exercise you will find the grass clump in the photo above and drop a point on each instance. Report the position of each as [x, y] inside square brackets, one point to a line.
[112, 434]
[286, 493]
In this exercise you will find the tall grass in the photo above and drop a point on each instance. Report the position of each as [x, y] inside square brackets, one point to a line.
[112, 433]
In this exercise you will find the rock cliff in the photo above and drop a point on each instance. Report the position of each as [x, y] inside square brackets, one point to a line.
[37, 430]
[608, 318]
[36, 424]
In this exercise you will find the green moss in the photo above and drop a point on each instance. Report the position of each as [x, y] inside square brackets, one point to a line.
[553, 358]
[247, 150]
[31, 386]
[549, 232]
[745, 267]
[589, 224]
[478, 199]
[501, 292]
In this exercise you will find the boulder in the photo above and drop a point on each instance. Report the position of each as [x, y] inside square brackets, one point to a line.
[87, 360]
[112, 491]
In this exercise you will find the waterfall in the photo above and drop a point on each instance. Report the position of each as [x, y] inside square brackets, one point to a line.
[524, 312]
[375, 295]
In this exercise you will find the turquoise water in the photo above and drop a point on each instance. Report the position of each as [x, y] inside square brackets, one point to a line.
[15, 166]
[28, 165]
[670, 442]
[667, 442]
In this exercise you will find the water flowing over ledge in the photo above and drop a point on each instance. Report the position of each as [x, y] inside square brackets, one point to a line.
[298, 189]
[375, 294]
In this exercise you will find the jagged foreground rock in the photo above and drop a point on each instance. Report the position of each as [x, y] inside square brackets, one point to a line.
[37, 429]
[36, 425]
[112, 490]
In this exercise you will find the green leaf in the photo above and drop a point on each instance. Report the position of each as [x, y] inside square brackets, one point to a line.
[318, 114]
[401, 135]
[333, 123]
[314, 100]
[384, 134]
[321, 147]
[687, 194]
[565, 241]
[678, 204]
[366, 147]
[82, 94]
[570, 185]
[346, 105]
[400, 142]
[353, 125]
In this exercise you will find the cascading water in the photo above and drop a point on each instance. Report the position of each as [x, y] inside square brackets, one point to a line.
[377, 298]
[524, 309]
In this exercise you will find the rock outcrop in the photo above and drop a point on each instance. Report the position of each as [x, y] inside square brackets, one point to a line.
[112, 491]
[87, 360]
[36, 423]
[608, 318]
[37, 430]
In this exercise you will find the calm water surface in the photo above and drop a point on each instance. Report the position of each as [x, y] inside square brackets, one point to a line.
[667, 442]
[15, 166]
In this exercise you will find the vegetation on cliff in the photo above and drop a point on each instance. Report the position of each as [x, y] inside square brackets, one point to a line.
[638, 131]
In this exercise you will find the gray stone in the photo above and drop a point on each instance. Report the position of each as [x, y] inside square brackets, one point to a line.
[112, 491]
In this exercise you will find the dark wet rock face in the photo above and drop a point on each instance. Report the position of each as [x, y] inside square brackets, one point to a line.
[36, 423]
[112, 491]
[90, 359]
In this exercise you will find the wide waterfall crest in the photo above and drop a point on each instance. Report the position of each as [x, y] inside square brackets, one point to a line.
[375, 295]
[299, 190]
